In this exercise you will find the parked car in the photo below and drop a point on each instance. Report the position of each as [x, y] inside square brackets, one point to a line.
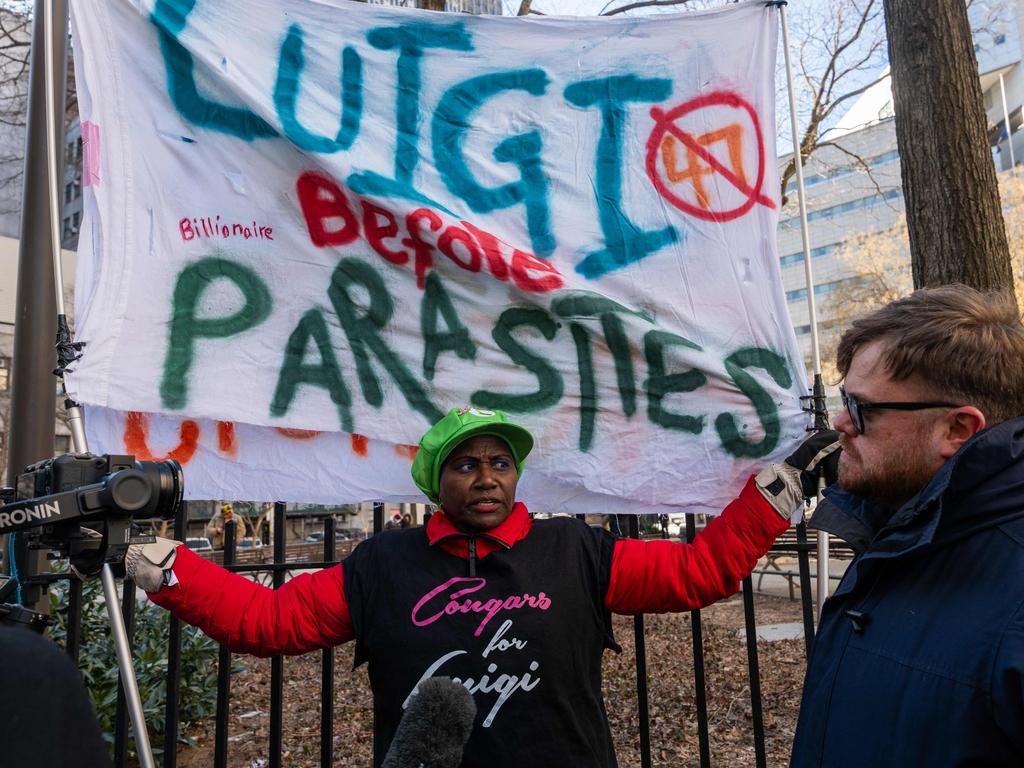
[317, 537]
[199, 544]
[351, 534]
[250, 543]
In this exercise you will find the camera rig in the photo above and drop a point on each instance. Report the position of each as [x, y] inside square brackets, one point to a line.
[85, 508]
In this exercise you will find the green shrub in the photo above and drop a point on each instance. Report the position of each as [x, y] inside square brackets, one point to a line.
[97, 662]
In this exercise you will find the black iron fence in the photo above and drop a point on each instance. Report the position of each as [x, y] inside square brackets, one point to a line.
[281, 562]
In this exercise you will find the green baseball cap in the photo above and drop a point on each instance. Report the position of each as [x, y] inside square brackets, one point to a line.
[456, 427]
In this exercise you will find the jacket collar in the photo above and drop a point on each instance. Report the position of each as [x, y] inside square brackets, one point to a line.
[989, 469]
[441, 531]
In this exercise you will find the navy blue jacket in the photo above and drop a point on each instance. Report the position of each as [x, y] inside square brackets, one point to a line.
[919, 657]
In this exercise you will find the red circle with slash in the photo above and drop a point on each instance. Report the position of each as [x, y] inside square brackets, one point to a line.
[665, 123]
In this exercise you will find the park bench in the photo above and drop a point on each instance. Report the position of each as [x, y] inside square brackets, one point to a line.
[788, 546]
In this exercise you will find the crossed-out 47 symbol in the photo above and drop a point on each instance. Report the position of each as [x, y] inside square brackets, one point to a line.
[699, 157]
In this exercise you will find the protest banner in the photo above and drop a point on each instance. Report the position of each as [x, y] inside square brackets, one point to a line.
[342, 219]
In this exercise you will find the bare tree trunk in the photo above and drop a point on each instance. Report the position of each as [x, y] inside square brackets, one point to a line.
[430, 5]
[949, 180]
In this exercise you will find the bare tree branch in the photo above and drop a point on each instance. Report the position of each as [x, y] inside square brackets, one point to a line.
[858, 161]
[853, 42]
[643, 4]
[840, 100]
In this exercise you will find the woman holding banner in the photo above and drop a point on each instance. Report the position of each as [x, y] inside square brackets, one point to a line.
[516, 610]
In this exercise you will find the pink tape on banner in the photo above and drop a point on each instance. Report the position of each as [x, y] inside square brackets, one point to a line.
[90, 154]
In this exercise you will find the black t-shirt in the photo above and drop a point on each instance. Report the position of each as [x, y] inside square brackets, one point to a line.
[525, 635]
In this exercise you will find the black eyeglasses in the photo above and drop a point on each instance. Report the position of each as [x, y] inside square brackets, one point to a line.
[856, 408]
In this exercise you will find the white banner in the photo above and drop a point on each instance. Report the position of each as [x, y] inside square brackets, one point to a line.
[347, 219]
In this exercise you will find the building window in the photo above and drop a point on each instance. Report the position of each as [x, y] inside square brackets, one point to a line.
[847, 170]
[820, 289]
[850, 205]
[5, 374]
[804, 330]
[816, 253]
[73, 190]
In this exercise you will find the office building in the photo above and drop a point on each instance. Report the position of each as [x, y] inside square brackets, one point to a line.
[855, 187]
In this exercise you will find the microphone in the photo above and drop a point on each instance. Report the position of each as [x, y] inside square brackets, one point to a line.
[435, 727]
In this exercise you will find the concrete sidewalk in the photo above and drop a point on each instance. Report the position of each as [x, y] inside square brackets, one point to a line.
[778, 584]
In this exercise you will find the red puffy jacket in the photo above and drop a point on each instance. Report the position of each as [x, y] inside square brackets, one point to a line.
[311, 612]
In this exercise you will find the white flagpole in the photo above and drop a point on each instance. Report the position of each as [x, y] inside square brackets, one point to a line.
[823, 551]
[1009, 128]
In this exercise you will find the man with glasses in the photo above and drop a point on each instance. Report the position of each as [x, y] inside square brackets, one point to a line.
[919, 655]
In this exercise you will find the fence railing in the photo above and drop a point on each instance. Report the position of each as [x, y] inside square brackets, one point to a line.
[277, 560]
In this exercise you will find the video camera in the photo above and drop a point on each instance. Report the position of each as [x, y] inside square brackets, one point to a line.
[84, 505]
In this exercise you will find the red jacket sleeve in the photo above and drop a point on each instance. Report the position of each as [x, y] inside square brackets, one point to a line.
[306, 613]
[663, 576]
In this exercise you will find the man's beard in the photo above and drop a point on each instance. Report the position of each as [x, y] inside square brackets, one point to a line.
[890, 484]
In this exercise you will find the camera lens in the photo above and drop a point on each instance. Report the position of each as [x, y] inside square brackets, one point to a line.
[127, 491]
[168, 480]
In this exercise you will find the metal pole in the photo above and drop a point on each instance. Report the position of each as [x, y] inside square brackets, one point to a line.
[642, 701]
[172, 700]
[33, 394]
[327, 667]
[220, 735]
[801, 197]
[699, 682]
[121, 722]
[277, 662]
[754, 674]
[65, 347]
[823, 556]
[1009, 128]
[54, 139]
[124, 661]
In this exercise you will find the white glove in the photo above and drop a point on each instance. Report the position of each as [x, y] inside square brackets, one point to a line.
[786, 485]
[149, 565]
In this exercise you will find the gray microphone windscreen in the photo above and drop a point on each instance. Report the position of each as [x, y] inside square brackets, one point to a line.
[435, 727]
